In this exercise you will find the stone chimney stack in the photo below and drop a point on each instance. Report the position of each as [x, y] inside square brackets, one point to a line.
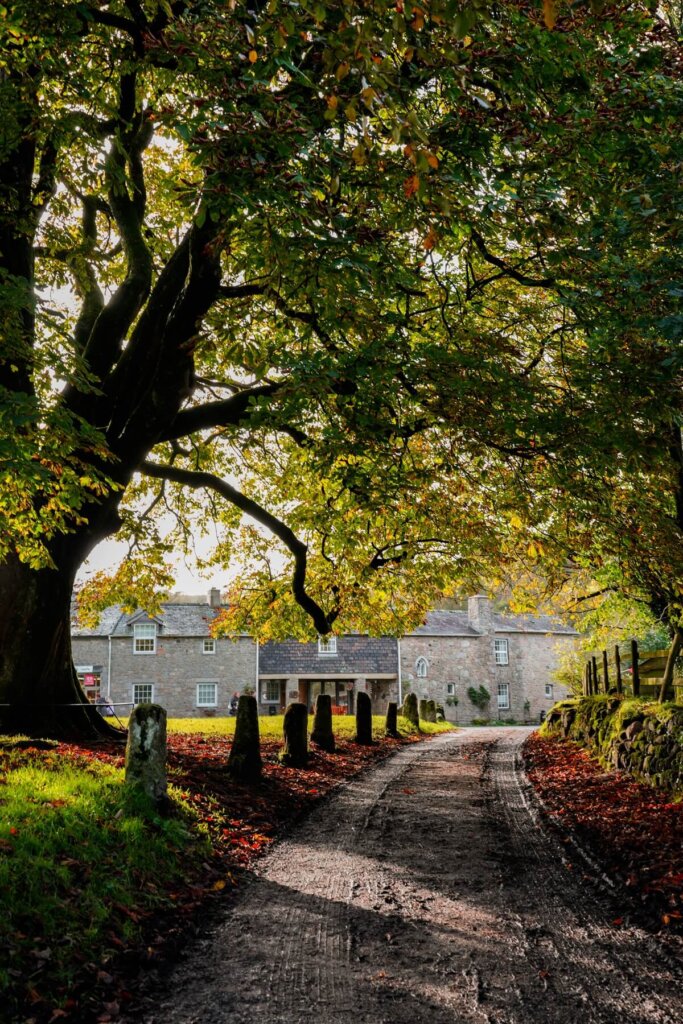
[480, 613]
[215, 597]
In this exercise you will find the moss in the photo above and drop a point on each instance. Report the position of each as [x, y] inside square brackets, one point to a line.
[652, 751]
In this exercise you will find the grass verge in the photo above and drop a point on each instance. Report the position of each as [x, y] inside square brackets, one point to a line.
[98, 892]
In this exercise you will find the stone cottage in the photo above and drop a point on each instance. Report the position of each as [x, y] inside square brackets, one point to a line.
[173, 660]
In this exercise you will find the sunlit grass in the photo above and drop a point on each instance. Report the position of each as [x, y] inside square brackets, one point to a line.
[80, 856]
[270, 726]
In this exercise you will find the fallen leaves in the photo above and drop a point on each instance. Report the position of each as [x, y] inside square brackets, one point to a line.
[633, 830]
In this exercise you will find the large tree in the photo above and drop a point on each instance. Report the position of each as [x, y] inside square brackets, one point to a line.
[323, 264]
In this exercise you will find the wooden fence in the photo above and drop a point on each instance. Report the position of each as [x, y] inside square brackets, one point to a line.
[626, 672]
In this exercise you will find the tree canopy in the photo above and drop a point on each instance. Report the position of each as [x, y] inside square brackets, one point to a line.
[395, 280]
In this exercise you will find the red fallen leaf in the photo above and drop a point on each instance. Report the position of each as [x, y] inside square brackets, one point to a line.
[409, 791]
[618, 920]
[14, 831]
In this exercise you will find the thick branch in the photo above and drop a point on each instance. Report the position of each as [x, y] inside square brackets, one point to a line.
[299, 550]
[216, 414]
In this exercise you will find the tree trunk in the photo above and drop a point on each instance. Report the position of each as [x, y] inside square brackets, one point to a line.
[39, 691]
[667, 678]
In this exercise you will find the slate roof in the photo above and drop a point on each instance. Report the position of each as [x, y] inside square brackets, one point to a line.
[176, 620]
[450, 623]
[356, 655]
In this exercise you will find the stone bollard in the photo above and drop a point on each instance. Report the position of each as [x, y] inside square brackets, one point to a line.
[410, 711]
[322, 734]
[146, 752]
[423, 709]
[244, 762]
[431, 711]
[294, 754]
[363, 720]
[391, 723]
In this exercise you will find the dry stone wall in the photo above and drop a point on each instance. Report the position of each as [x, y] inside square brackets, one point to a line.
[643, 738]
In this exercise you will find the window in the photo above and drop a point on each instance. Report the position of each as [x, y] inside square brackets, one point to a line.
[144, 638]
[207, 695]
[271, 691]
[209, 647]
[421, 666]
[143, 693]
[503, 696]
[549, 690]
[450, 689]
[327, 645]
[500, 650]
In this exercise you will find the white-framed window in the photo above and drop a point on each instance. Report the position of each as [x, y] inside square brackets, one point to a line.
[503, 696]
[327, 645]
[450, 689]
[421, 668]
[549, 690]
[270, 693]
[144, 638]
[209, 646]
[500, 652]
[207, 695]
[143, 693]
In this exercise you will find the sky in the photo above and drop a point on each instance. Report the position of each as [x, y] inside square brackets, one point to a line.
[188, 581]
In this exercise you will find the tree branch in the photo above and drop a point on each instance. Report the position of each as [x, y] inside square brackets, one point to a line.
[190, 478]
[226, 413]
[496, 261]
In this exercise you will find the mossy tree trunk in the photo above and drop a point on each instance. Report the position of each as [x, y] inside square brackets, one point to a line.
[363, 720]
[244, 763]
[391, 723]
[294, 754]
[410, 712]
[322, 734]
[665, 690]
[146, 753]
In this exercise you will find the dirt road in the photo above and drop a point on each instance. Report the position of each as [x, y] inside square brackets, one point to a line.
[428, 892]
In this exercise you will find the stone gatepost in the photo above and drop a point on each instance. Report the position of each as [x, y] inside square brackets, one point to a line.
[146, 752]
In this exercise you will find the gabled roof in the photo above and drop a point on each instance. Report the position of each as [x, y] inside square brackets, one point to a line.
[175, 620]
[454, 623]
[443, 623]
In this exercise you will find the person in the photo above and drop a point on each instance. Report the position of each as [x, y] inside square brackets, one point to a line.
[233, 704]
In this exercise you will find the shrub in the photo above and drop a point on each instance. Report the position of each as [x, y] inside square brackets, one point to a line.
[480, 698]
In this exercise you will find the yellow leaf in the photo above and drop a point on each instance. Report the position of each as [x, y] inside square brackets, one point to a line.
[253, 56]
[350, 112]
[467, 41]
[220, 884]
[359, 155]
[432, 160]
[341, 72]
[549, 13]
[531, 550]
[515, 522]
[332, 102]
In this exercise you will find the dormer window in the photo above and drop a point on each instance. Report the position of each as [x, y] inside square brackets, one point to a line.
[421, 667]
[327, 645]
[144, 638]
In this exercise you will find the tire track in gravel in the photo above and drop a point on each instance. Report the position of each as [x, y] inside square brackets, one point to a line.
[425, 891]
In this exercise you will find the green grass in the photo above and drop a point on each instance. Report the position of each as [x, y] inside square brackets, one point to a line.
[80, 856]
[270, 726]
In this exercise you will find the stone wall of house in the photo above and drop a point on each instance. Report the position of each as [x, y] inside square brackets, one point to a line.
[459, 662]
[644, 738]
[175, 669]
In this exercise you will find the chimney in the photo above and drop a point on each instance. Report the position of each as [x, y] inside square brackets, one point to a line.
[215, 597]
[480, 613]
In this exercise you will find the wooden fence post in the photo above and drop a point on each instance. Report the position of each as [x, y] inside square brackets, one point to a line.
[617, 665]
[634, 668]
[586, 680]
[596, 678]
[605, 670]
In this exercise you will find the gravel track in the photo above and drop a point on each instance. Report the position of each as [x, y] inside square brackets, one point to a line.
[427, 890]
